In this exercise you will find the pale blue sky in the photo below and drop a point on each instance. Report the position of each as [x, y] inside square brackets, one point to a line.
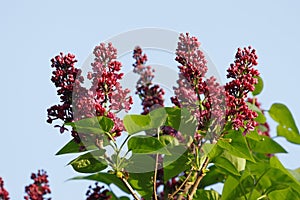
[34, 31]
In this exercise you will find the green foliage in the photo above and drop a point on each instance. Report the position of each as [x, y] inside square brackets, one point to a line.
[179, 119]
[259, 86]
[236, 144]
[239, 161]
[242, 162]
[146, 145]
[137, 123]
[90, 162]
[207, 195]
[176, 163]
[260, 118]
[263, 144]
[286, 124]
[104, 177]
[73, 147]
[214, 175]
[261, 180]
[232, 164]
[139, 163]
[140, 183]
[296, 174]
[94, 125]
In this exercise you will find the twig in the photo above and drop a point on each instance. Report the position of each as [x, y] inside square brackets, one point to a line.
[182, 184]
[99, 145]
[130, 188]
[154, 178]
[186, 190]
[155, 171]
[199, 178]
[255, 184]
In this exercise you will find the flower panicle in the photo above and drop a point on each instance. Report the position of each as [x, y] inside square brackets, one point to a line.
[150, 94]
[98, 193]
[4, 195]
[64, 76]
[39, 188]
[243, 79]
[101, 99]
[201, 95]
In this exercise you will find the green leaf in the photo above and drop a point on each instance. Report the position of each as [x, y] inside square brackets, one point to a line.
[260, 116]
[286, 124]
[214, 152]
[104, 177]
[275, 163]
[278, 178]
[289, 134]
[237, 146]
[181, 120]
[230, 163]
[140, 163]
[288, 193]
[259, 86]
[123, 198]
[231, 189]
[175, 163]
[137, 123]
[263, 144]
[106, 123]
[146, 145]
[253, 135]
[215, 175]
[140, 182]
[206, 195]
[225, 164]
[168, 140]
[73, 147]
[261, 180]
[208, 147]
[90, 162]
[174, 117]
[94, 125]
[237, 162]
[281, 114]
[276, 187]
[281, 180]
[296, 174]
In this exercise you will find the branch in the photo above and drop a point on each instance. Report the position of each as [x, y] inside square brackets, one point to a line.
[129, 188]
[155, 177]
[155, 171]
[182, 184]
[199, 178]
[186, 190]
[99, 145]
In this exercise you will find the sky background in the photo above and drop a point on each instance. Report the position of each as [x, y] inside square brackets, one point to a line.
[32, 32]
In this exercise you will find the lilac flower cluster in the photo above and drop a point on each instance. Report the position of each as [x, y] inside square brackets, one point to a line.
[4, 195]
[64, 76]
[101, 99]
[150, 95]
[39, 188]
[203, 97]
[97, 193]
[243, 80]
